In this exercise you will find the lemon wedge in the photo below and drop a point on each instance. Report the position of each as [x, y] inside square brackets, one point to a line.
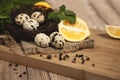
[43, 4]
[113, 31]
[74, 32]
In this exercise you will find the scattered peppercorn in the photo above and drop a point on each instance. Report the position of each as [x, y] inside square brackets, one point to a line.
[93, 64]
[76, 55]
[49, 56]
[60, 56]
[10, 64]
[80, 55]
[82, 58]
[55, 55]
[67, 55]
[16, 65]
[83, 61]
[20, 75]
[41, 55]
[24, 72]
[14, 69]
[74, 59]
[87, 59]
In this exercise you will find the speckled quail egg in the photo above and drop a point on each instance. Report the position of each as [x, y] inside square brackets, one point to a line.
[42, 40]
[30, 25]
[57, 40]
[38, 16]
[21, 18]
[53, 34]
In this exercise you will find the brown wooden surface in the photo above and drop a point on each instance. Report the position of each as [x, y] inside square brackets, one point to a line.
[104, 56]
[96, 13]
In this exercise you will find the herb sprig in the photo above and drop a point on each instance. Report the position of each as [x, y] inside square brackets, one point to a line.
[62, 14]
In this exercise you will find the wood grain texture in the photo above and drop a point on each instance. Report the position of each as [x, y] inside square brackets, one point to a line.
[115, 5]
[38, 74]
[92, 12]
[97, 22]
[105, 57]
[11, 72]
[105, 11]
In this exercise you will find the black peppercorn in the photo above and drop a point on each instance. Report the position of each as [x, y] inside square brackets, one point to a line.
[74, 59]
[83, 61]
[93, 64]
[20, 75]
[10, 64]
[60, 56]
[49, 56]
[55, 55]
[76, 55]
[41, 55]
[67, 56]
[14, 69]
[87, 59]
[82, 58]
[24, 72]
[16, 65]
[80, 55]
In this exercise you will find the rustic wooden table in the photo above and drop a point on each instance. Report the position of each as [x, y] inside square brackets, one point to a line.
[96, 13]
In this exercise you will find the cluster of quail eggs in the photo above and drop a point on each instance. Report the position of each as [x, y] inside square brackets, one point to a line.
[40, 39]
[30, 22]
[55, 39]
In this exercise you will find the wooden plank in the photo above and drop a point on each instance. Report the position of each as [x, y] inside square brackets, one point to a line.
[1, 66]
[54, 76]
[97, 22]
[11, 43]
[115, 5]
[35, 74]
[105, 56]
[11, 72]
[105, 11]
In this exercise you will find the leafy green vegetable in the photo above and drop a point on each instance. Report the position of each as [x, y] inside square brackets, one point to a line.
[7, 5]
[62, 14]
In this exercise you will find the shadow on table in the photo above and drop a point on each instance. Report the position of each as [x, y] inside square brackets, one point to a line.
[105, 35]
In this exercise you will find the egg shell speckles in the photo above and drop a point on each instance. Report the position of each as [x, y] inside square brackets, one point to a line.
[30, 25]
[38, 16]
[57, 40]
[42, 40]
[21, 18]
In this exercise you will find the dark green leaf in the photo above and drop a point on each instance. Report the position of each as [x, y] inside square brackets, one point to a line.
[71, 19]
[62, 14]
[3, 17]
[62, 8]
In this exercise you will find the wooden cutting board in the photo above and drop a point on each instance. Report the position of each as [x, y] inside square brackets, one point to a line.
[105, 57]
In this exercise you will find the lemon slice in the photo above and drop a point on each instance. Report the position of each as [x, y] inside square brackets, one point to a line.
[113, 31]
[43, 4]
[74, 32]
